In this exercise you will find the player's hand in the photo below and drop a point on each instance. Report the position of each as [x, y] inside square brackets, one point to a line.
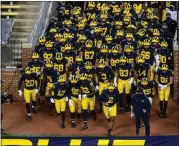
[105, 103]
[38, 73]
[84, 96]
[20, 93]
[106, 81]
[36, 91]
[52, 100]
[79, 96]
[97, 87]
[144, 111]
[66, 99]
[70, 102]
[162, 86]
[131, 81]
[156, 68]
[70, 77]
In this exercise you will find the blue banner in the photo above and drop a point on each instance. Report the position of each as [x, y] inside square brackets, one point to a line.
[92, 141]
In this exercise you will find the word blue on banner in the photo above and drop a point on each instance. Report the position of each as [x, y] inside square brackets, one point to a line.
[92, 141]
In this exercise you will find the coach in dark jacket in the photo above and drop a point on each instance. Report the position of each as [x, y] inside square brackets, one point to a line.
[141, 108]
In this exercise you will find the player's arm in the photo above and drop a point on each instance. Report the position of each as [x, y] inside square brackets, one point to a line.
[171, 80]
[111, 74]
[20, 82]
[96, 62]
[147, 104]
[115, 77]
[38, 81]
[156, 78]
[92, 90]
[153, 88]
[96, 79]
[157, 60]
[150, 74]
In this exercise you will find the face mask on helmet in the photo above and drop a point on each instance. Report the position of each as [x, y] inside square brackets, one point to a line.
[129, 37]
[42, 40]
[123, 60]
[144, 81]
[89, 44]
[164, 67]
[164, 45]
[88, 65]
[49, 66]
[28, 71]
[79, 60]
[49, 45]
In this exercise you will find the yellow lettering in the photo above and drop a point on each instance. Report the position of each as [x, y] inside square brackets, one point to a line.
[128, 142]
[43, 142]
[75, 142]
[103, 142]
[19, 142]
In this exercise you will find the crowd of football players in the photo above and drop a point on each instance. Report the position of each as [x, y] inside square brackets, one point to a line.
[108, 45]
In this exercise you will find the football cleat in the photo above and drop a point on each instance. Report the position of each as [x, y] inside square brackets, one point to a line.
[29, 117]
[85, 127]
[109, 133]
[33, 110]
[142, 124]
[57, 114]
[121, 110]
[137, 132]
[63, 125]
[161, 114]
[73, 124]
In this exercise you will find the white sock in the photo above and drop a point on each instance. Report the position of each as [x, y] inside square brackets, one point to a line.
[29, 114]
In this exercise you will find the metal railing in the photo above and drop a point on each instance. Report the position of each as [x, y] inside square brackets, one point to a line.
[44, 14]
[11, 54]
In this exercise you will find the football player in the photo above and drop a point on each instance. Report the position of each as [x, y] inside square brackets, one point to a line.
[124, 77]
[69, 54]
[60, 42]
[76, 66]
[31, 89]
[97, 37]
[74, 101]
[89, 52]
[51, 34]
[91, 12]
[101, 56]
[109, 41]
[47, 53]
[119, 36]
[104, 23]
[60, 64]
[130, 54]
[142, 69]
[148, 88]
[164, 78]
[37, 67]
[109, 99]
[164, 54]
[104, 75]
[150, 55]
[129, 41]
[113, 57]
[88, 70]
[60, 98]
[41, 44]
[87, 95]
[51, 75]
[80, 43]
